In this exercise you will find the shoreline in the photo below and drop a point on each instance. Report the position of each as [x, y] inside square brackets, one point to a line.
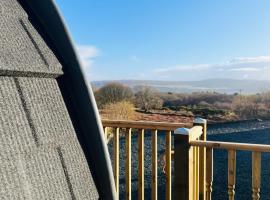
[172, 117]
[236, 121]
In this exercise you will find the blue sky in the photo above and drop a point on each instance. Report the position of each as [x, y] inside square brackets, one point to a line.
[171, 40]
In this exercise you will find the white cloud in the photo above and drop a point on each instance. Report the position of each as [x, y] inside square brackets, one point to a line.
[245, 69]
[251, 59]
[87, 53]
[252, 67]
[182, 68]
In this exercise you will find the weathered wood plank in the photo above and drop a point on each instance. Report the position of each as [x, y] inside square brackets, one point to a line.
[128, 163]
[256, 175]
[154, 166]
[231, 173]
[141, 165]
[168, 165]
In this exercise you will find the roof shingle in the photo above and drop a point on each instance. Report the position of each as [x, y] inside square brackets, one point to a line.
[40, 155]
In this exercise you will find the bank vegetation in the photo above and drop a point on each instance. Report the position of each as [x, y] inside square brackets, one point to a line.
[117, 101]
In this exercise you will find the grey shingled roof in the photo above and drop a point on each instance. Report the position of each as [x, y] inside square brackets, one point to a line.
[40, 155]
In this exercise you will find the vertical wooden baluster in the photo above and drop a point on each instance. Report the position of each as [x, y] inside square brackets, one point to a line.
[116, 160]
[202, 159]
[168, 165]
[256, 175]
[190, 164]
[197, 172]
[209, 173]
[231, 173]
[141, 164]
[194, 173]
[128, 164]
[106, 133]
[154, 165]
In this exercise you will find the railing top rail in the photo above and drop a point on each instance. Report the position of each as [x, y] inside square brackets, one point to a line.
[144, 125]
[231, 145]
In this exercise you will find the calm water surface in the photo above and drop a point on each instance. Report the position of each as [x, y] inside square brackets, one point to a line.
[249, 132]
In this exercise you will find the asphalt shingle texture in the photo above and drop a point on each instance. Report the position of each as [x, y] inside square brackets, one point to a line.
[23, 52]
[40, 156]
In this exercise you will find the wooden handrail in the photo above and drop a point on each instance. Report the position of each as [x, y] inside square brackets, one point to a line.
[129, 128]
[193, 158]
[231, 145]
[193, 162]
[165, 126]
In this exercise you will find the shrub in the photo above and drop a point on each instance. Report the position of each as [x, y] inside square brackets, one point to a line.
[123, 110]
[113, 93]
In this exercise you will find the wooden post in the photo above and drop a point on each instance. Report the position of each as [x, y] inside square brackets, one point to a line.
[154, 165]
[183, 165]
[202, 158]
[141, 164]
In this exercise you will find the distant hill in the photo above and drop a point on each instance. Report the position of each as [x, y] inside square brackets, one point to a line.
[218, 85]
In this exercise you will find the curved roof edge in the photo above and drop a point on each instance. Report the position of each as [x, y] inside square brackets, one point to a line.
[52, 22]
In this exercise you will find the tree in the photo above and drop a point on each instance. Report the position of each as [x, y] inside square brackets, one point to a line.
[147, 99]
[266, 102]
[246, 106]
[113, 93]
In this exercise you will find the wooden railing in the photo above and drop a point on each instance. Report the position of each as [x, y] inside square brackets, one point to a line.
[232, 148]
[187, 176]
[190, 163]
[140, 128]
[193, 159]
